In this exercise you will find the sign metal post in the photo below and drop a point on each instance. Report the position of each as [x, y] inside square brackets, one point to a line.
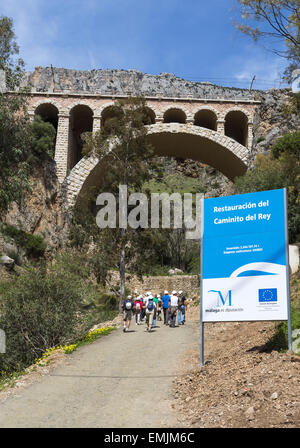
[287, 272]
[201, 288]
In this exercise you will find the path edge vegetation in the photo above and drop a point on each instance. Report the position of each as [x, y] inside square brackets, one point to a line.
[9, 379]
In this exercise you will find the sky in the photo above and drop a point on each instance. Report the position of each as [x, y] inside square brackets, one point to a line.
[193, 39]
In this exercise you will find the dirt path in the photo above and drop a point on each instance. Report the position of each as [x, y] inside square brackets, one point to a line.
[241, 385]
[121, 380]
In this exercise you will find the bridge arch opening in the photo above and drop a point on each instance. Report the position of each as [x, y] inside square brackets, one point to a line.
[81, 120]
[149, 116]
[236, 126]
[174, 115]
[195, 143]
[48, 113]
[109, 113]
[206, 118]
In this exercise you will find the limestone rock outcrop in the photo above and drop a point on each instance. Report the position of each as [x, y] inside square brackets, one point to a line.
[126, 82]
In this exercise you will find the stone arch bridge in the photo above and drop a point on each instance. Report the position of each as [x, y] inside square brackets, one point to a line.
[217, 132]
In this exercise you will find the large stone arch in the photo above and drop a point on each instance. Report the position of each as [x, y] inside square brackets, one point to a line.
[175, 140]
[48, 113]
[32, 108]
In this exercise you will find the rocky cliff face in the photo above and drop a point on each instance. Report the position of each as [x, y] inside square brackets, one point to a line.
[126, 82]
[277, 115]
[42, 212]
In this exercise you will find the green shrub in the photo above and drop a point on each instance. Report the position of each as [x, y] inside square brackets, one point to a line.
[97, 304]
[49, 306]
[34, 245]
[39, 310]
[43, 138]
[289, 143]
[271, 173]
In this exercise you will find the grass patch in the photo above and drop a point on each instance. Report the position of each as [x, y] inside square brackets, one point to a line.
[175, 183]
[9, 379]
[86, 339]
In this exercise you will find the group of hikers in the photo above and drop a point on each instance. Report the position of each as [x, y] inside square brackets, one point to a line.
[151, 308]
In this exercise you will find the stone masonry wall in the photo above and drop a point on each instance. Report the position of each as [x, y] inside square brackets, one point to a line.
[189, 284]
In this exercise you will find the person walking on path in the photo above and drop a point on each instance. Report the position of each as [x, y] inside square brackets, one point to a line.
[181, 308]
[150, 308]
[159, 306]
[127, 307]
[165, 303]
[173, 309]
[138, 305]
[143, 310]
[155, 300]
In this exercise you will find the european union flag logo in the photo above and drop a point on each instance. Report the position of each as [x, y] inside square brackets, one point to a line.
[267, 295]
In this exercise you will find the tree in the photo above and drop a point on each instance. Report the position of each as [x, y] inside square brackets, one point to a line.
[8, 51]
[14, 131]
[22, 143]
[278, 21]
[123, 141]
[43, 137]
[289, 143]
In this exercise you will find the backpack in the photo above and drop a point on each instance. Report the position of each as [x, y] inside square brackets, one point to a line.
[128, 305]
[150, 305]
[138, 306]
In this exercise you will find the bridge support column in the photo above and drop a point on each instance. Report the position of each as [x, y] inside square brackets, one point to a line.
[221, 127]
[96, 123]
[62, 146]
[250, 135]
[31, 115]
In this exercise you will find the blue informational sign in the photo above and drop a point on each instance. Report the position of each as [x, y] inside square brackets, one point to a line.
[244, 257]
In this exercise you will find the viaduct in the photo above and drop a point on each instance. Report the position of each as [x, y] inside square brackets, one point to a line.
[199, 121]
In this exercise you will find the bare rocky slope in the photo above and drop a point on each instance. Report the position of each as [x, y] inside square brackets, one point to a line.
[126, 82]
[242, 385]
[42, 212]
[245, 382]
